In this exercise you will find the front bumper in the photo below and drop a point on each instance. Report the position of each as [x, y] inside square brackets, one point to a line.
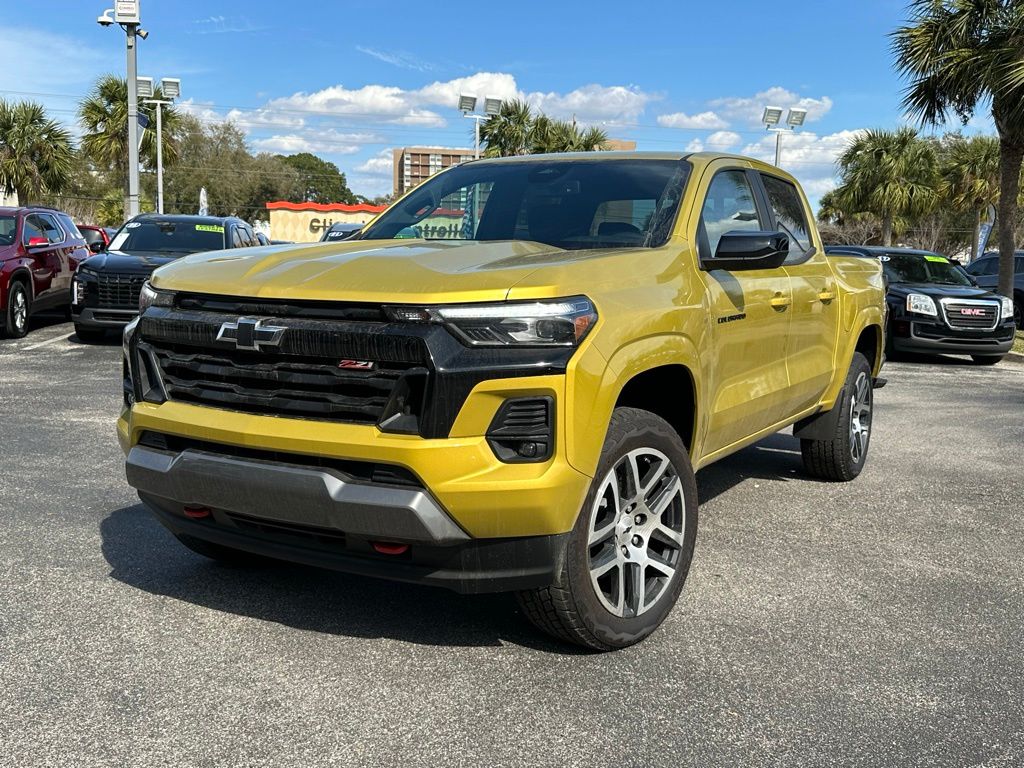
[938, 339]
[102, 318]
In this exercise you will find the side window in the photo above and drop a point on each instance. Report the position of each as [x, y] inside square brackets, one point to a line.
[70, 227]
[988, 266]
[789, 214]
[729, 206]
[236, 237]
[250, 237]
[51, 230]
[1018, 265]
[31, 228]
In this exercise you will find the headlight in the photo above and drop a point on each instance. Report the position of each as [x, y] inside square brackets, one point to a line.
[921, 304]
[554, 323]
[1005, 307]
[151, 297]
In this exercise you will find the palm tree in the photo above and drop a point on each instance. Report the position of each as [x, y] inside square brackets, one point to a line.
[959, 55]
[508, 132]
[104, 116]
[890, 174]
[35, 152]
[969, 176]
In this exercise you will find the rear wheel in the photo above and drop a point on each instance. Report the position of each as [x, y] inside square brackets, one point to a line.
[841, 455]
[629, 553]
[18, 305]
[986, 359]
[222, 554]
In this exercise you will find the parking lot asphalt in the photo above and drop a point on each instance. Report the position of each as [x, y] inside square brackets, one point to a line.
[872, 623]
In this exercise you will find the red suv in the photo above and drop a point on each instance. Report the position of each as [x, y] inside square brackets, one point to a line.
[40, 249]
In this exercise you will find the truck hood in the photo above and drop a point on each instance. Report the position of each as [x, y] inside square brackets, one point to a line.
[137, 263]
[401, 271]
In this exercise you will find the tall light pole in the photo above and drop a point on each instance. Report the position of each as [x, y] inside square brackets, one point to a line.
[467, 105]
[771, 118]
[170, 87]
[127, 17]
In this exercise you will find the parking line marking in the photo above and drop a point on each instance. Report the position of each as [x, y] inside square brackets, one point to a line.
[62, 337]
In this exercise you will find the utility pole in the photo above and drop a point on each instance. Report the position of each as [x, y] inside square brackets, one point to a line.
[170, 89]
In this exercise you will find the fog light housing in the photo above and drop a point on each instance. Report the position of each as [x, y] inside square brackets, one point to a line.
[522, 430]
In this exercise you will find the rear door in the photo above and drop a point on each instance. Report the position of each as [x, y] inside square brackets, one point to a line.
[814, 325]
[986, 271]
[749, 314]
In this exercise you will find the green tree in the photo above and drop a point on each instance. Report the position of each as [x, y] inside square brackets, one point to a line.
[35, 152]
[959, 55]
[508, 133]
[104, 118]
[321, 181]
[889, 174]
[969, 176]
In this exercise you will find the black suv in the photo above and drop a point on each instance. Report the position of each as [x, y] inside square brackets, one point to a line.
[936, 307]
[105, 292]
[985, 271]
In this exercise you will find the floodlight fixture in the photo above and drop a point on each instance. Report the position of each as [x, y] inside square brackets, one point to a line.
[771, 116]
[170, 87]
[144, 87]
[492, 105]
[796, 117]
[467, 102]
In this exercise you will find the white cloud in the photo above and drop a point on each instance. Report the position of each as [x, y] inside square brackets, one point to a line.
[379, 165]
[723, 140]
[702, 121]
[750, 109]
[695, 146]
[594, 103]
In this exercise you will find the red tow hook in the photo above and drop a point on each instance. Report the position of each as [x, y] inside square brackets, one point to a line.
[389, 548]
[197, 513]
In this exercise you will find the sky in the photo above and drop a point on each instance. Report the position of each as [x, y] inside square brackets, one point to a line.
[351, 80]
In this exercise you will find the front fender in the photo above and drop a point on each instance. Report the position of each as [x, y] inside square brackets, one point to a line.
[594, 386]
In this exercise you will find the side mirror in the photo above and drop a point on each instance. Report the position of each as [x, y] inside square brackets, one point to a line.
[37, 242]
[97, 247]
[742, 249]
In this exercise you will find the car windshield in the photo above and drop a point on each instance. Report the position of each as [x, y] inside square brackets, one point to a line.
[922, 268]
[571, 204]
[8, 229]
[169, 237]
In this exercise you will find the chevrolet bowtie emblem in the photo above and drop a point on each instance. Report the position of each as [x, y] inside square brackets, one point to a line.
[250, 333]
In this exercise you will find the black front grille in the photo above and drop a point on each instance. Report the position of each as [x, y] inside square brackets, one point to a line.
[122, 291]
[971, 315]
[258, 382]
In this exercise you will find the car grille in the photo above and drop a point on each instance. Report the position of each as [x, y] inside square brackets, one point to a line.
[115, 290]
[971, 314]
[353, 372]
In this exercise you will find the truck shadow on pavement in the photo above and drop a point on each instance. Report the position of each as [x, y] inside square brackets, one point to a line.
[775, 458]
[144, 555]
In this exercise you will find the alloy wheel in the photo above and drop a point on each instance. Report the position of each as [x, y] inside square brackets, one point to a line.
[19, 310]
[860, 417]
[636, 532]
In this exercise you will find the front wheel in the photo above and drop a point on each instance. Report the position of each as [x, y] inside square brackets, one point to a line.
[18, 303]
[629, 552]
[986, 359]
[841, 454]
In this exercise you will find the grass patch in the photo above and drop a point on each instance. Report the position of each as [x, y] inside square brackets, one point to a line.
[1018, 343]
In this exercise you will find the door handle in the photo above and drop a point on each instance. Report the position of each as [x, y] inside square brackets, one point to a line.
[826, 295]
[779, 301]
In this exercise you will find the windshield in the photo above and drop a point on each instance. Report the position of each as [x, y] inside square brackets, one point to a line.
[572, 204]
[169, 237]
[8, 227]
[922, 268]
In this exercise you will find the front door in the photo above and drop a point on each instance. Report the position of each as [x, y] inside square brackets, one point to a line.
[749, 317]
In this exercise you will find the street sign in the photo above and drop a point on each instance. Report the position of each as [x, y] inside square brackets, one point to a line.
[126, 11]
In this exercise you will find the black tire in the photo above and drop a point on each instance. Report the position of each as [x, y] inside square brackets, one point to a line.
[986, 359]
[19, 309]
[835, 457]
[226, 555]
[90, 335]
[1018, 310]
[572, 609]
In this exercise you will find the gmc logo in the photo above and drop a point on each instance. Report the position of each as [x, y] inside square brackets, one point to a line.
[973, 312]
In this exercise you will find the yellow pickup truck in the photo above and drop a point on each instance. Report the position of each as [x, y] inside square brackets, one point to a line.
[506, 382]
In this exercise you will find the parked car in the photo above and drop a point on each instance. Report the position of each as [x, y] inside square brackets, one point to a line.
[517, 401]
[340, 230]
[97, 238]
[40, 248]
[934, 306]
[985, 271]
[106, 289]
